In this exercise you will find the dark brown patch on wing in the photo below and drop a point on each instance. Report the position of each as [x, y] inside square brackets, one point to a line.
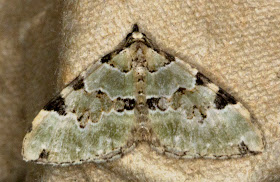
[78, 83]
[100, 94]
[243, 148]
[169, 57]
[202, 79]
[80, 118]
[106, 58]
[56, 104]
[124, 104]
[44, 154]
[128, 36]
[181, 90]
[129, 104]
[223, 98]
[152, 103]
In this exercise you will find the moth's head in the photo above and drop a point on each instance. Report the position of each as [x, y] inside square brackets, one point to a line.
[136, 36]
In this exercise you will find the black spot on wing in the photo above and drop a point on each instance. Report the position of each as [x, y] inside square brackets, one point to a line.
[129, 104]
[152, 103]
[243, 148]
[128, 36]
[78, 83]
[44, 154]
[202, 79]
[181, 90]
[100, 94]
[106, 58]
[57, 104]
[169, 57]
[223, 98]
[80, 118]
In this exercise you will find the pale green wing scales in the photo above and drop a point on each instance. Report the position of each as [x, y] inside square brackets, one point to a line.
[141, 94]
[192, 117]
[90, 120]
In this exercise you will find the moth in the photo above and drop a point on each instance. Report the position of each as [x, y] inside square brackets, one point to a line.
[140, 94]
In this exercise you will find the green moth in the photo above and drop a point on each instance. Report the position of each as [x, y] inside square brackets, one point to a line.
[140, 94]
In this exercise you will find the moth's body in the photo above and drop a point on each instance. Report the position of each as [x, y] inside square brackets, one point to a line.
[140, 94]
[141, 108]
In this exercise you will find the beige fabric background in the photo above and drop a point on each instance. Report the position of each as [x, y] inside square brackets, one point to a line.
[45, 44]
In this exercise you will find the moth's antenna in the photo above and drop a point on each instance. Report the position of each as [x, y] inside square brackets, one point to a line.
[135, 28]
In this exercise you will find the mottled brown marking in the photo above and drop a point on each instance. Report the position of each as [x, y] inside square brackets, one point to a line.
[169, 57]
[181, 90]
[202, 79]
[129, 104]
[223, 98]
[152, 103]
[44, 154]
[78, 83]
[243, 148]
[56, 104]
[106, 58]
[100, 94]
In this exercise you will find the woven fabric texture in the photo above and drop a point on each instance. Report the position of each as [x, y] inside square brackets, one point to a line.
[47, 44]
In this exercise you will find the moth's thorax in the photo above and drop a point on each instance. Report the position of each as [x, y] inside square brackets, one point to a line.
[137, 36]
